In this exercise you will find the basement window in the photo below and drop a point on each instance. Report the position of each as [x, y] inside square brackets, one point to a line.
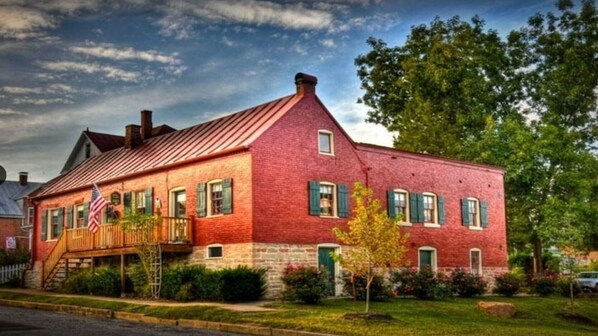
[214, 251]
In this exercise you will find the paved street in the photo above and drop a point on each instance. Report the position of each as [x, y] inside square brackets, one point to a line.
[20, 321]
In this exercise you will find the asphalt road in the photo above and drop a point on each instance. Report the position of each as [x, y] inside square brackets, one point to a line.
[20, 321]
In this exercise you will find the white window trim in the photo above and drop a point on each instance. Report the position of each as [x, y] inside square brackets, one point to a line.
[49, 225]
[171, 205]
[334, 200]
[433, 224]
[75, 214]
[471, 226]
[470, 261]
[329, 133]
[30, 218]
[209, 198]
[406, 220]
[338, 288]
[434, 257]
[208, 251]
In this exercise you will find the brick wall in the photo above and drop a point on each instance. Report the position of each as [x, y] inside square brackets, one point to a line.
[11, 227]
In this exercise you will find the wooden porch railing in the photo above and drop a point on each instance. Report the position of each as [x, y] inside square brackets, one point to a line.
[173, 230]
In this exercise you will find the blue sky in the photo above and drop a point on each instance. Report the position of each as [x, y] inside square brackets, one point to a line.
[68, 65]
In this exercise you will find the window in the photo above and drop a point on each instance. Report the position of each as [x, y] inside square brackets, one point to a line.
[429, 208]
[327, 200]
[475, 256]
[139, 201]
[87, 150]
[55, 222]
[215, 251]
[216, 198]
[325, 142]
[30, 216]
[474, 213]
[427, 258]
[80, 220]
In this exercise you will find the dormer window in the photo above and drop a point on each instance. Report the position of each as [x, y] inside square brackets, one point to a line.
[325, 142]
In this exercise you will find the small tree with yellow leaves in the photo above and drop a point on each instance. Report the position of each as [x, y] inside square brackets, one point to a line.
[375, 239]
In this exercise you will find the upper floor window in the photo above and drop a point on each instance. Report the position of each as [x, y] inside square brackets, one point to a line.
[87, 150]
[474, 213]
[398, 204]
[80, 218]
[328, 199]
[139, 201]
[30, 216]
[325, 142]
[215, 198]
[179, 201]
[430, 208]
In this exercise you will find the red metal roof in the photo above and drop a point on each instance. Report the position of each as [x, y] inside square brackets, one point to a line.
[234, 131]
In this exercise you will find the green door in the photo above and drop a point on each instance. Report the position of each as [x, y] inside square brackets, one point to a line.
[425, 259]
[325, 261]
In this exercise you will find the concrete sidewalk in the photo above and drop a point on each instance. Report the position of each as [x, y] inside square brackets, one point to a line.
[249, 307]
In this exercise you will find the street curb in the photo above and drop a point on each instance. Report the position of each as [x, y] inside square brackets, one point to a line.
[142, 318]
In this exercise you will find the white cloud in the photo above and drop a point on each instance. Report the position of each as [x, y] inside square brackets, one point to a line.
[227, 42]
[180, 16]
[92, 68]
[8, 111]
[351, 116]
[41, 101]
[111, 52]
[328, 43]
[21, 23]
[22, 90]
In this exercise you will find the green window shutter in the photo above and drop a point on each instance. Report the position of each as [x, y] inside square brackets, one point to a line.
[227, 196]
[127, 201]
[483, 214]
[149, 197]
[465, 212]
[343, 206]
[44, 225]
[413, 217]
[86, 213]
[60, 222]
[441, 216]
[201, 200]
[314, 198]
[390, 196]
[420, 208]
[69, 217]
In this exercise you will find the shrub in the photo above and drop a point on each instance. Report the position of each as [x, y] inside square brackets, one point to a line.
[356, 287]
[544, 286]
[14, 257]
[138, 278]
[564, 287]
[188, 283]
[14, 282]
[423, 284]
[306, 284]
[508, 284]
[467, 284]
[105, 281]
[242, 284]
[77, 283]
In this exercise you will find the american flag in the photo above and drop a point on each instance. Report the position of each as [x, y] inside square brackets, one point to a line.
[97, 204]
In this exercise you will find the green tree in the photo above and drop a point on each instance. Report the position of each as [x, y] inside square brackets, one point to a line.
[527, 104]
[375, 241]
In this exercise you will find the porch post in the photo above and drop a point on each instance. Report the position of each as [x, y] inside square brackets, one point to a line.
[122, 275]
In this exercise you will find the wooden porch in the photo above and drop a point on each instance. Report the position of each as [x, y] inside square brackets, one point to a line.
[173, 235]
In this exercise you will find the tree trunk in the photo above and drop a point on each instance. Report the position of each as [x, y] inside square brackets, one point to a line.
[537, 260]
[367, 296]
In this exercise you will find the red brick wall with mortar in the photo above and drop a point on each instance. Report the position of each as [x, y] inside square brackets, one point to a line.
[286, 157]
[233, 228]
[11, 227]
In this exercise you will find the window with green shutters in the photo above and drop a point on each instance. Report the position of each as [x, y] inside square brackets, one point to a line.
[55, 223]
[44, 225]
[328, 200]
[474, 213]
[215, 198]
[398, 205]
[427, 208]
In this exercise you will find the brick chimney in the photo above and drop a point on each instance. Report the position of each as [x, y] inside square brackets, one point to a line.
[23, 178]
[132, 136]
[306, 84]
[146, 124]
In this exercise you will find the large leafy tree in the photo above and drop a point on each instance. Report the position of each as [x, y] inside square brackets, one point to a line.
[527, 103]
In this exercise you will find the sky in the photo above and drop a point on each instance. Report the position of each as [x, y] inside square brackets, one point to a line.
[70, 65]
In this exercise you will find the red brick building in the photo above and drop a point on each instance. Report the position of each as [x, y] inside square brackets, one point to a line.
[264, 187]
[16, 212]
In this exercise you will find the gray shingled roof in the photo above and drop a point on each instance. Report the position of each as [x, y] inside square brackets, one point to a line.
[10, 192]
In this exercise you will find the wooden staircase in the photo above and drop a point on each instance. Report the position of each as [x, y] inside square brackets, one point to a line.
[61, 271]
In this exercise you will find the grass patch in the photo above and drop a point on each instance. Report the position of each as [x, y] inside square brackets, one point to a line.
[535, 316]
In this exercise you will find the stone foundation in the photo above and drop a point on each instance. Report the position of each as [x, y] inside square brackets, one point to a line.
[33, 277]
